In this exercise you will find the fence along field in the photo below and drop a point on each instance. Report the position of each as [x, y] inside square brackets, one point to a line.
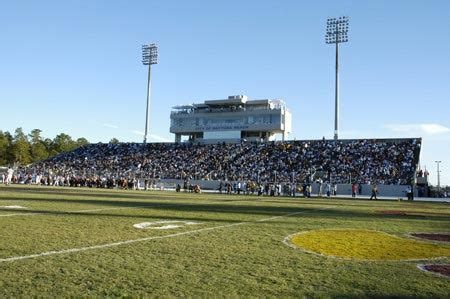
[63, 241]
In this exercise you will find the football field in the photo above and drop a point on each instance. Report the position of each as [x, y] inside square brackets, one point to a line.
[94, 242]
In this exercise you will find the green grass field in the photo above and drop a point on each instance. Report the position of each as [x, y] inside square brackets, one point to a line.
[81, 242]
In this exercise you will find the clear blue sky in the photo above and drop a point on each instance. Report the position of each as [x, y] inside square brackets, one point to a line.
[75, 66]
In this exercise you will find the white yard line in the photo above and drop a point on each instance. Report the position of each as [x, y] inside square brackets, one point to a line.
[105, 209]
[19, 214]
[79, 249]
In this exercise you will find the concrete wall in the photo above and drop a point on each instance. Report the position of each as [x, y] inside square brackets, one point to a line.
[383, 190]
[342, 189]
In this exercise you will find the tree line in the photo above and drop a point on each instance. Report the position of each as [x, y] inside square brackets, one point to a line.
[25, 149]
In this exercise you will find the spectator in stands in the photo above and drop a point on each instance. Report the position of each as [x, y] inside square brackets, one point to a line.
[387, 162]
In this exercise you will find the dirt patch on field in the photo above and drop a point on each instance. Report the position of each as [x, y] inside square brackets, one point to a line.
[433, 237]
[443, 270]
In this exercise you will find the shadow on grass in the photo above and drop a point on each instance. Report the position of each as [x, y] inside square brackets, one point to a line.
[122, 195]
[94, 192]
[156, 195]
[199, 207]
[206, 203]
[137, 216]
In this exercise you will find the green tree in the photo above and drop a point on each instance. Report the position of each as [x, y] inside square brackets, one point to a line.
[81, 141]
[4, 145]
[38, 152]
[48, 143]
[32, 148]
[63, 143]
[21, 147]
[35, 136]
[38, 149]
[114, 141]
[9, 150]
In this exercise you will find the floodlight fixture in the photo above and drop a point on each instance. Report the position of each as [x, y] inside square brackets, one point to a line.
[337, 30]
[336, 33]
[149, 57]
[149, 54]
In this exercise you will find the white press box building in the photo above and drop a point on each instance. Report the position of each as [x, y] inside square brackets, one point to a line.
[231, 120]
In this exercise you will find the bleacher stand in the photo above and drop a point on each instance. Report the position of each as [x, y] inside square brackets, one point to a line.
[383, 161]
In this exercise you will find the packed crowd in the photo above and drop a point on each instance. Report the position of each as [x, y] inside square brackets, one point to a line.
[351, 161]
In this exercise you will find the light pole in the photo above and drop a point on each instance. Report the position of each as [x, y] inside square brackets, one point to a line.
[438, 177]
[337, 29]
[149, 57]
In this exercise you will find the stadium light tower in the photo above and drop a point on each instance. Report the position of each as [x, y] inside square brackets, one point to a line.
[438, 177]
[337, 29]
[149, 57]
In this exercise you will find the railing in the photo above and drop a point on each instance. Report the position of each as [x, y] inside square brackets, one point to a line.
[221, 110]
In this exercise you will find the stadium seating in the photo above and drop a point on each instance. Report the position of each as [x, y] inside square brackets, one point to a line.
[383, 161]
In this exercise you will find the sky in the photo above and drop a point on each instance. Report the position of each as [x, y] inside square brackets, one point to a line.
[75, 66]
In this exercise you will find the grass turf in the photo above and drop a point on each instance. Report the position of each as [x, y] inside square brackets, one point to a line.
[237, 249]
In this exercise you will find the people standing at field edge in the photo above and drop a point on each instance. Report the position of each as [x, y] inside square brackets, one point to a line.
[9, 176]
[354, 189]
[374, 192]
[328, 189]
[220, 187]
[409, 193]
[320, 186]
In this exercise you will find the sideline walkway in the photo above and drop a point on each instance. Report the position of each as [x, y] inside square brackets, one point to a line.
[349, 196]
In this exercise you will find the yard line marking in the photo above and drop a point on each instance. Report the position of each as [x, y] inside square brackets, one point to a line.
[104, 209]
[79, 249]
[19, 214]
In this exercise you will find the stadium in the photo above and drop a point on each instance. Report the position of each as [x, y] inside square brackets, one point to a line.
[229, 217]
[231, 143]
[233, 207]
[391, 164]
